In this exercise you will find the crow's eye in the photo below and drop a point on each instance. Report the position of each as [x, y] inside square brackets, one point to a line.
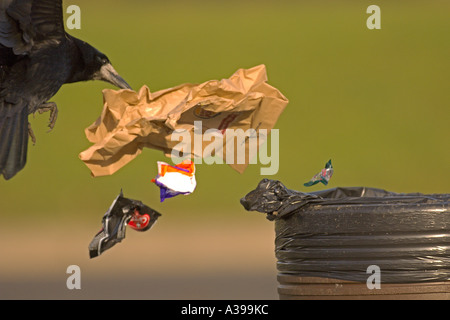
[102, 60]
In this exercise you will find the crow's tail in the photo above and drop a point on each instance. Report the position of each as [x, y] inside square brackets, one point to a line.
[13, 139]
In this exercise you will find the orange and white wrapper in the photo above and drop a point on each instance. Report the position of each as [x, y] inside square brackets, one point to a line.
[175, 180]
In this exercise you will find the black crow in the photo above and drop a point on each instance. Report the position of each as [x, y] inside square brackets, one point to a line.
[37, 57]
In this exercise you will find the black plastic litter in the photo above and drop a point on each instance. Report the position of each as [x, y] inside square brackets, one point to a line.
[122, 212]
[338, 233]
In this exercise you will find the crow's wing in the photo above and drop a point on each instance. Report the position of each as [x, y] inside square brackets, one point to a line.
[14, 138]
[28, 24]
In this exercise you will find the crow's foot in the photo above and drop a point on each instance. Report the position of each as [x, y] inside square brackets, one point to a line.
[53, 108]
[31, 134]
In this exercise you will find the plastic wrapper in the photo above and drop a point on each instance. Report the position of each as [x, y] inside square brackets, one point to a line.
[175, 180]
[122, 212]
[323, 176]
[340, 232]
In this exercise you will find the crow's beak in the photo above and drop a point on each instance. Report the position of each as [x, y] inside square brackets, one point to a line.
[109, 74]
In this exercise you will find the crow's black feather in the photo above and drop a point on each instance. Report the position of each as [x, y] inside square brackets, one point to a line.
[37, 57]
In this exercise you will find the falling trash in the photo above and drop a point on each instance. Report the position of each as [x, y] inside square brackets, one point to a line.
[323, 176]
[134, 120]
[175, 180]
[122, 212]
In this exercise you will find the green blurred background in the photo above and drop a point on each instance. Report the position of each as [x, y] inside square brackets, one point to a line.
[376, 102]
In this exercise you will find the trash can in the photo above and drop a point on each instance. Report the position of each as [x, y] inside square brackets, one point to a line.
[357, 243]
[293, 287]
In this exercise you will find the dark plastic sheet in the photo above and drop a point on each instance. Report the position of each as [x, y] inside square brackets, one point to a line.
[123, 211]
[338, 233]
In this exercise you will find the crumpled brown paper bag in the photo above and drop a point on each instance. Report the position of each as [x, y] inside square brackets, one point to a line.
[131, 120]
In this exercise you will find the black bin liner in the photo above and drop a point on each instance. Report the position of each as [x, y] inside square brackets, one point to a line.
[338, 233]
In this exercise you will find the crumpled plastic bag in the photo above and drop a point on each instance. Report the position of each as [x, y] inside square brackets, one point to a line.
[122, 212]
[131, 121]
[274, 199]
[175, 180]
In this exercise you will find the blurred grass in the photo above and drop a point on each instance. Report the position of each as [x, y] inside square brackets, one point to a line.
[374, 101]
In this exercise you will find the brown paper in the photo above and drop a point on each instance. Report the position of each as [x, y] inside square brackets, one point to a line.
[131, 121]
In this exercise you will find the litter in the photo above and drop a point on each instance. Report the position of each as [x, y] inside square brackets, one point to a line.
[131, 121]
[175, 180]
[323, 176]
[122, 212]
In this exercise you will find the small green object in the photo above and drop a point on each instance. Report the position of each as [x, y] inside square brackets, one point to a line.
[323, 176]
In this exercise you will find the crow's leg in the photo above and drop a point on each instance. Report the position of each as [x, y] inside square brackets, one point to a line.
[53, 108]
[31, 134]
